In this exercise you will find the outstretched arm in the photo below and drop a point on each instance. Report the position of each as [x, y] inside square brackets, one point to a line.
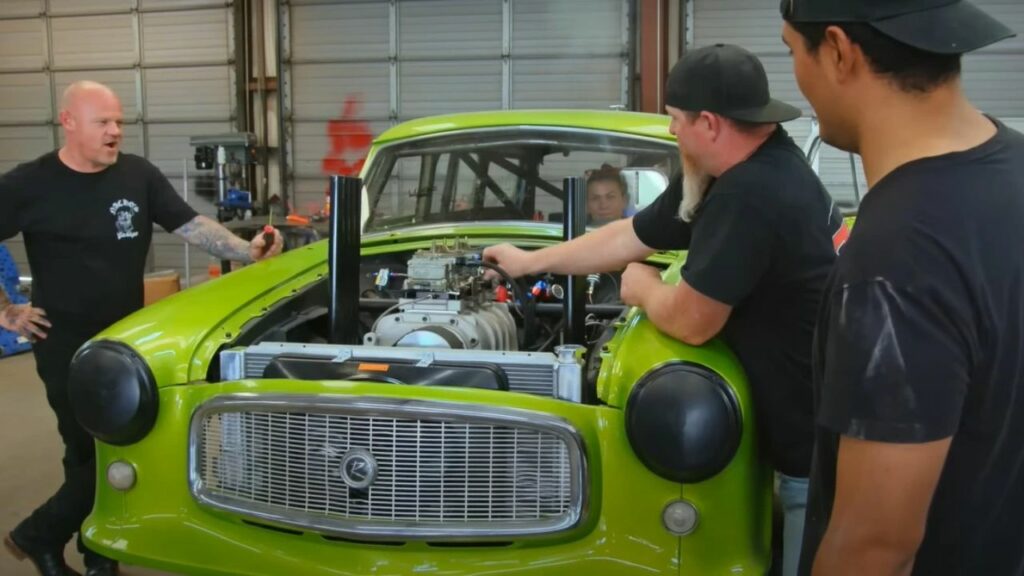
[606, 249]
[220, 242]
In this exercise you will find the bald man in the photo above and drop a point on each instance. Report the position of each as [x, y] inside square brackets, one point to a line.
[87, 212]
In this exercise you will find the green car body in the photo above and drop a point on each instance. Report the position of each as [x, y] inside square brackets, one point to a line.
[160, 522]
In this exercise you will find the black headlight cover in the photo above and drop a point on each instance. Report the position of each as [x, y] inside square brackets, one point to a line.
[683, 422]
[113, 392]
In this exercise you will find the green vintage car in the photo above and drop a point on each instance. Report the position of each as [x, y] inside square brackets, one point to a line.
[373, 404]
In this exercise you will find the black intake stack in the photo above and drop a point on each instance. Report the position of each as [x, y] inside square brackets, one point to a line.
[343, 259]
[575, 226]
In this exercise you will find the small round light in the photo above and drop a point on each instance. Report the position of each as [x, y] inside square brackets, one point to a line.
[680, 517]
[121, 475]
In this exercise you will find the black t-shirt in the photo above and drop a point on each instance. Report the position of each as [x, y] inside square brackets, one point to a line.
[762, 242]
[87, 234]
[921, 337]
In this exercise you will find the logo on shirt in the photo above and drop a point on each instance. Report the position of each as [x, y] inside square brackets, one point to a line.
[124, 211]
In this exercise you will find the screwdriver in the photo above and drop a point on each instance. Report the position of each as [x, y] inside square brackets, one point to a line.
[268, 232]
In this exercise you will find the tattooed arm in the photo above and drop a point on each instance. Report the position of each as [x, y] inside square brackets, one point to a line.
[219, 241]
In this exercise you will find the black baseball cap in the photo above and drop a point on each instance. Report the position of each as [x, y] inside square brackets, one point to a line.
[727, 80]
[937, 26]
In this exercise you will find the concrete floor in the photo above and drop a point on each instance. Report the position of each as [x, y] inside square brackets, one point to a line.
[31, 451]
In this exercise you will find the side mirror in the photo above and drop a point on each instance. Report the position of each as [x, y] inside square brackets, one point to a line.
[645, 184]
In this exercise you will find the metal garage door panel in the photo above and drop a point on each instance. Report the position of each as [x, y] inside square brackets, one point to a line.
[339, 32]
[15, 8]
[754, 24]
[122, 82]
[319, 90]
[1011, 13]
[428, 57]
[568, 27]
[132, 141]
[312, 145]
[201, 36]
[309, 195]
[994, 83]
[177, 4]
[25, 98]
[91, 41]
[76, 7]
[782, 83]
[23, 143]
[450, 29]
[169, 144]
[428, 88]
[836, 175]
[22, 44]
[194, 93]
[16, 246]
[567, 83]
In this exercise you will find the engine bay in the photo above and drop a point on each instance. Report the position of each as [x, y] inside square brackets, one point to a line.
[442, 298]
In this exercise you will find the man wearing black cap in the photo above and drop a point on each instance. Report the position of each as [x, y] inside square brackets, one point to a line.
[760, 230]
[919, 356]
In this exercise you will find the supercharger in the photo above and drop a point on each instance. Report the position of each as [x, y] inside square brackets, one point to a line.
[446, 304]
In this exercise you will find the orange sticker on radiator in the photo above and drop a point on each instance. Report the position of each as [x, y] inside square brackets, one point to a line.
[364, 367]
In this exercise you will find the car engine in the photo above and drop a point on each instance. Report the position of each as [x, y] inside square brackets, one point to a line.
[444, 303]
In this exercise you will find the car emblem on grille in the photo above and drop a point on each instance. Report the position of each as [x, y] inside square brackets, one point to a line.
[358, 469]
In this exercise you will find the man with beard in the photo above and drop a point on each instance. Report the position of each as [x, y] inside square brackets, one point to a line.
[87, 213]
[919, 355]
[762, 235]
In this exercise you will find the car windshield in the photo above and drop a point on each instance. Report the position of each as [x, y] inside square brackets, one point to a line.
[507, 174]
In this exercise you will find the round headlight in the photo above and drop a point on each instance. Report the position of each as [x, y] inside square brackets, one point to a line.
[683, 422]
[113, 392]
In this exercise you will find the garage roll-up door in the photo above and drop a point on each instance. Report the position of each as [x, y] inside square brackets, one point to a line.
[362, 66]
[993, 77]
[170, 62]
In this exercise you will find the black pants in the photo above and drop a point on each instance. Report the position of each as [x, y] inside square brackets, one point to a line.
[53, 524]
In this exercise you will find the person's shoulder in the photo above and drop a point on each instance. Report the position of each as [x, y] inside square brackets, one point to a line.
[42, 164]
[781, 160]
[772, 179]
[134, 160]
[138, 165]
[1011, 137]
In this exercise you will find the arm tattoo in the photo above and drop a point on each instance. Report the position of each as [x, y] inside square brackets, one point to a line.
[215, 239]
[5, 301]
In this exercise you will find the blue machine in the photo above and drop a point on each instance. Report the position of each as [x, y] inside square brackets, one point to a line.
[11, 343]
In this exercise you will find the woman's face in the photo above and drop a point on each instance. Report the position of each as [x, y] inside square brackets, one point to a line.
[606, 201]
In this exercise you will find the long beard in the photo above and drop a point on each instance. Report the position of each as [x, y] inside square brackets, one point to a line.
[695, 186]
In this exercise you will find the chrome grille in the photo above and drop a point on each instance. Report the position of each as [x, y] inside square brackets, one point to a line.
[442, 470]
